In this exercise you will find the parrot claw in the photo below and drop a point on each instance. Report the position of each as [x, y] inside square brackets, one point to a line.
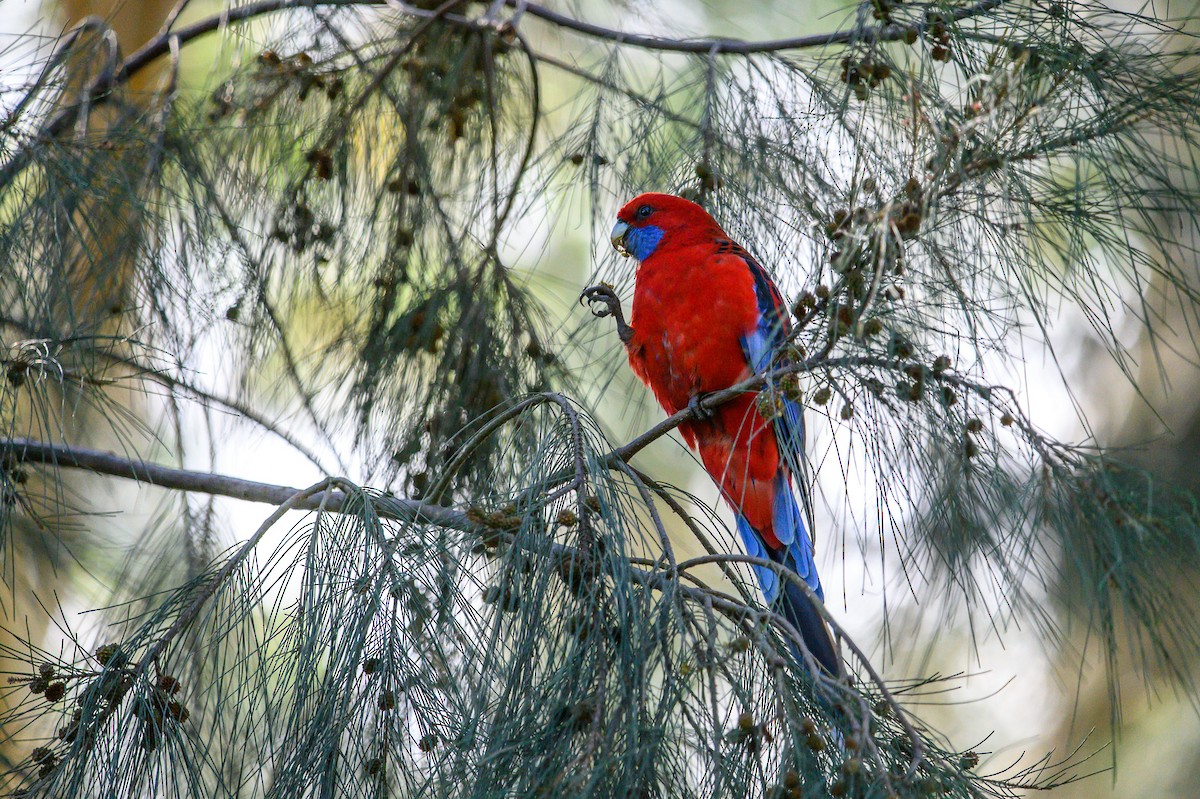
[699, 411]
[604, 293]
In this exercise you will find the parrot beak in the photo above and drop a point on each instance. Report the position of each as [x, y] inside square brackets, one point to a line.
[619, 231]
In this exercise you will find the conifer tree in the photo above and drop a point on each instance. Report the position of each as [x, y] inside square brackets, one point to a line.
[321, 230]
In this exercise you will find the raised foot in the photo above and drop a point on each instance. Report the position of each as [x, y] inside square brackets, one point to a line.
[610, 306]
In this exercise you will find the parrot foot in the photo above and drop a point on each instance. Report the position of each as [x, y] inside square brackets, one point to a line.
[603, 293]
[697, 410]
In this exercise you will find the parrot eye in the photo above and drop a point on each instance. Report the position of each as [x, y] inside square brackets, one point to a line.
[644, 211]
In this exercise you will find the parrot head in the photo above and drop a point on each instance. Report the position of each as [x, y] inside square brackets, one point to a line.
[649, 220]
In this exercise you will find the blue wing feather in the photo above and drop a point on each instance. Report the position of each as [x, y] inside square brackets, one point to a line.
[761, 347]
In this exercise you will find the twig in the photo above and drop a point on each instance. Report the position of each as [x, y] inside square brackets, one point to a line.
[785, 573]
[882, 33]
[322, 497]
[189, 614]
[161, 44]
[408, 510]
[471, 444]
[142, 370]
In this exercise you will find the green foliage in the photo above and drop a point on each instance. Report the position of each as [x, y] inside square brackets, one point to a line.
[339, 219]
[516, 644]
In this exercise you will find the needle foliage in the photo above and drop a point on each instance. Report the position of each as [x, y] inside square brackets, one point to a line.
[333, 237]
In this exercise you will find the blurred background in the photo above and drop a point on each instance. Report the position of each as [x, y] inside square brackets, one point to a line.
[1008, 691]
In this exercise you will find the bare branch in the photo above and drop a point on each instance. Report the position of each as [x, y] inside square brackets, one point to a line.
[27, 451]
[161, 44]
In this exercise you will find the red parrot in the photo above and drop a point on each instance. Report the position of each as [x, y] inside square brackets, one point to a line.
[706, 315]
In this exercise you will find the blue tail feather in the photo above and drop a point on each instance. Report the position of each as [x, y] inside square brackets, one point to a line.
[757, 548]
[761, 346]
[797, 552]
[797, 555]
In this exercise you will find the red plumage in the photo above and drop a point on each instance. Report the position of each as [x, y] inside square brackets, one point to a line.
[706, 316]
[692, 305]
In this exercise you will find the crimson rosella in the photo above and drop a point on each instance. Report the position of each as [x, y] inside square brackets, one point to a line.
[705, 316]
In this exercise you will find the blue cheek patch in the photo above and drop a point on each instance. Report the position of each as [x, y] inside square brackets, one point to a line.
[643, 241]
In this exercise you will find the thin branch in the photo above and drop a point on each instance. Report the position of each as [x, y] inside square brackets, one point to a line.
[881, 33]
[477, 438]
[296, 501]
[100, 90]
[20, 450]
[144, 371]
[28, 451]
[784, 573]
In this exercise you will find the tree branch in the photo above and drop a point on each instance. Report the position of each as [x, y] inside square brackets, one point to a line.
[21, 450]
[14, 451]
[161, 44]
[142, 370]
[321, 497]
[878, 33]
